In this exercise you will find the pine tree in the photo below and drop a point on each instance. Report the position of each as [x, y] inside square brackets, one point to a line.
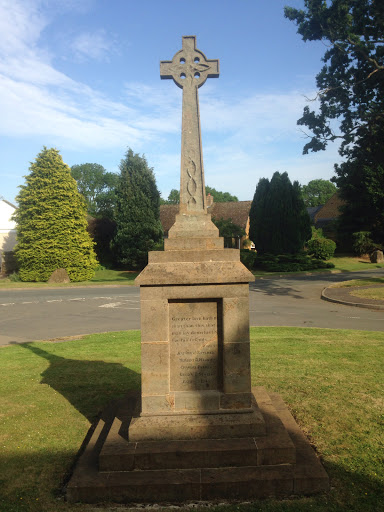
[51, 223]
[279, 222]
[138, 227]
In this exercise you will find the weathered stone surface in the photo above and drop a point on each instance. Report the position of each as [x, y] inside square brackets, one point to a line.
[200, 433]
[203, 272]
[196, 426]
[280, 463]
[377, 257]
[189, 69]
[194, 348]
[59, 276]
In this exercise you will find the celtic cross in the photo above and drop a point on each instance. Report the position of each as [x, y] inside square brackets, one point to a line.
[189, 69]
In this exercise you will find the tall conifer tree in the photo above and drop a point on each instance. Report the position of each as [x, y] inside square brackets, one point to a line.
[51, 223]
[279, 222]
[138, 227]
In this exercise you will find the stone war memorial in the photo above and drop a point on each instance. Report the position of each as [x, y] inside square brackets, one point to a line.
[197, 430]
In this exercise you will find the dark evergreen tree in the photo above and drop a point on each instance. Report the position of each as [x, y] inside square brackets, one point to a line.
[51, 223]
[257, 231]
[279, 222]
[138, 227]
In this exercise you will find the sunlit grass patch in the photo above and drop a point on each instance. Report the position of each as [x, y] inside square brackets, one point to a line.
[332, 380]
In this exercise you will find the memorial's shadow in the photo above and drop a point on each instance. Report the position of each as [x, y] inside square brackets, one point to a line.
[87, 385]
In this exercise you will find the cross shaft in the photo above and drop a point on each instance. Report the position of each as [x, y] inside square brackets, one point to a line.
[190, 69]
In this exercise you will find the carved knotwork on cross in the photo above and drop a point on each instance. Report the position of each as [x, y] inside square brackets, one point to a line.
[189, 69]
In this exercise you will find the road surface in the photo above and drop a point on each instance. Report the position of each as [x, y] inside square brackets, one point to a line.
[40, 314]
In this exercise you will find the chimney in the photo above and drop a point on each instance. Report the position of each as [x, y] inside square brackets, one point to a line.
[209, 200]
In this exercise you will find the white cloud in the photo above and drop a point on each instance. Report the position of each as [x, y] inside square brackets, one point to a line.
[244, 133]
[93, 45]
[21, 22]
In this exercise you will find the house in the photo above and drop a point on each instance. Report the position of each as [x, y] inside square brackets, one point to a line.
[237, 212]
[7, 228]
[326, 215]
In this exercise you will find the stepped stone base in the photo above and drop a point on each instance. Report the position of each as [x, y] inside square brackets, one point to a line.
[279, 463]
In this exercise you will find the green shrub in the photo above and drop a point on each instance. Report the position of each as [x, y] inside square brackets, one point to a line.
[289, 263]
[317, 232]
[362, 242]
[321, 248]
[248, 258]
[14, 277]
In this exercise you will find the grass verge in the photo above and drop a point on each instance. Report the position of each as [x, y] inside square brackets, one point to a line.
[332, 381]
[101, 277]
[124, 277]
[375, 290]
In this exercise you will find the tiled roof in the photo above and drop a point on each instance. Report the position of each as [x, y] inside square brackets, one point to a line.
[331, 209]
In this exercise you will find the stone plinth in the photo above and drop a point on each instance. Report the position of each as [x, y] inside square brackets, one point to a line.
[196, 379]
[280, 463]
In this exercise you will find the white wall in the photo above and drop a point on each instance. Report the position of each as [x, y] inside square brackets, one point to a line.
[7, 227]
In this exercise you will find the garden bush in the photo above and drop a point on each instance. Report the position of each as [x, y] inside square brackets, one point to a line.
[363, 243]
[289, 263]
[321, 248]
[248, 258]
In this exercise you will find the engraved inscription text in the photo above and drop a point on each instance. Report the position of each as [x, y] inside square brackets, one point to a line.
[194, 346]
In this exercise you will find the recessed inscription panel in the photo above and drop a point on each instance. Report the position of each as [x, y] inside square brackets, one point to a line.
[193, 346]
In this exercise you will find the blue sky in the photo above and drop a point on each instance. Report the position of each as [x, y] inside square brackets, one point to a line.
[83, 76]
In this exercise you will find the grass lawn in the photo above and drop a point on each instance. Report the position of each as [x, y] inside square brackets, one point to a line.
[332, 381]
[345, 263]
[101, 277]
[124, 277]
[376, 292]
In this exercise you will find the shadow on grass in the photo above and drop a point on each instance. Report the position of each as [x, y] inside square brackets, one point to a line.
[87, 385]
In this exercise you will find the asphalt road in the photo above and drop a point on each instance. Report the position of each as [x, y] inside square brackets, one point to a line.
[40, 314]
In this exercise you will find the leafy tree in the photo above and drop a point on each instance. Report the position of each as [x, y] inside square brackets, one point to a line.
[51, 223]
[351, 96]
[317, 192]
[361, 183]
[97, 186]
[138, 227]
[220, 197]
[174, 197]
[279, 222]
[228, 230]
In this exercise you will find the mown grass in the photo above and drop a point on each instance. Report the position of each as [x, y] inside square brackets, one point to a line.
[119, 277]
[370, 293]
[344, 263]
[332, 381]
[101, 277]
[375, 292]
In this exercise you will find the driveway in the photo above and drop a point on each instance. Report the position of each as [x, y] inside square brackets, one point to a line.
[39, 314]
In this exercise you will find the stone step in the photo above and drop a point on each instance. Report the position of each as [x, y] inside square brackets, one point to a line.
[153, 472]
[273, 446]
